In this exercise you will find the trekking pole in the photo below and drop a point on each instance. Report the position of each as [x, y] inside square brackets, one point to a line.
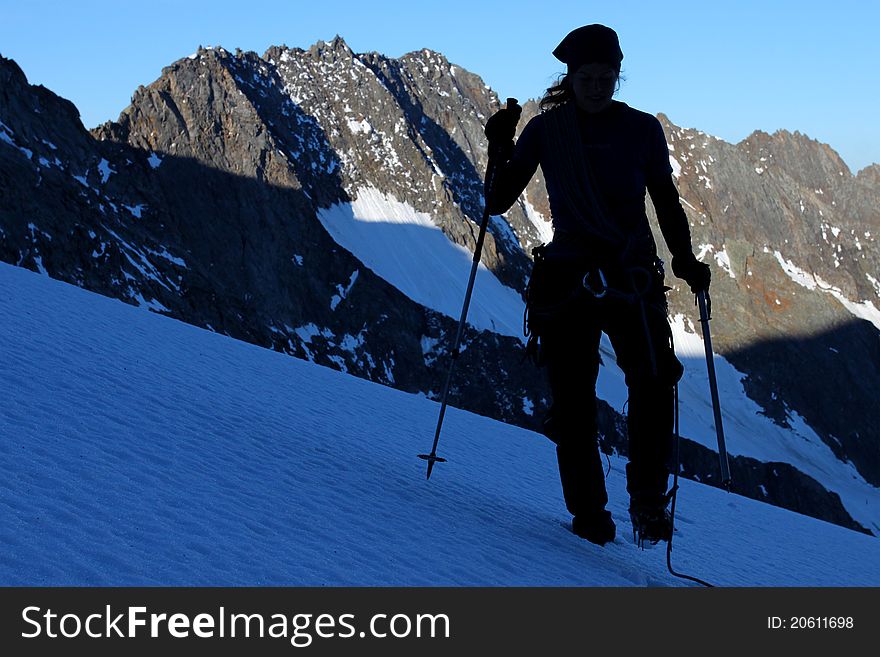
[705, 305]
[432, 458]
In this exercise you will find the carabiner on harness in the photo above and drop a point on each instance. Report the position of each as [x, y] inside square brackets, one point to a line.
[597, 294]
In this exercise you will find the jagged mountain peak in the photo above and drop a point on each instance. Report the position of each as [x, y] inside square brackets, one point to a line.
[336, 47]
[674, 128]
[15, 83]
[797, 150]
[870, 173]
[331, 51]
[781, 136]
[12, 69]
[428, 57]
[342, 122]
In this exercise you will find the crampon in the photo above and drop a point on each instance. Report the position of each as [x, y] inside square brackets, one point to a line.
[650, 526]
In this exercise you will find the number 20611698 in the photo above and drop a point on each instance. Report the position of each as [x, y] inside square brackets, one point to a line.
[810, 623]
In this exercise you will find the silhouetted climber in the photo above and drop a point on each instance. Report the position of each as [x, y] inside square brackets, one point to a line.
[601, 273]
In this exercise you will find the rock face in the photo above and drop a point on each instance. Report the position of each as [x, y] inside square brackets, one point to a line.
[793, 235]
[202, 202]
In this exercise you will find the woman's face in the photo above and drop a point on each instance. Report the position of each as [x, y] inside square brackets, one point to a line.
[593, 85]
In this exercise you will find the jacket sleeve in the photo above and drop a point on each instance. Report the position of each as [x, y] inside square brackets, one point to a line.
[513, 173]
[664, 195]
[670, 215]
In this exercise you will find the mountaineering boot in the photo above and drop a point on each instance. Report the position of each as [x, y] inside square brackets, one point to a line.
[651, 524]
[596, 527]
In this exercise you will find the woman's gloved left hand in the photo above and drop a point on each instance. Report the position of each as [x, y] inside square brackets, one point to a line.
[696, 273]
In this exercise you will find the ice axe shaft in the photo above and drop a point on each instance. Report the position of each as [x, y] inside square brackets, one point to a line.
[702, 300]
[432, 458]
[491, 167]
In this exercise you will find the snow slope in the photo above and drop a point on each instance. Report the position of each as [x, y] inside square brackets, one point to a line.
[409, 251]
[139, 450]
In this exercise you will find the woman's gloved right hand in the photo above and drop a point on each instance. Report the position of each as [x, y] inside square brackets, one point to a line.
[501, 126]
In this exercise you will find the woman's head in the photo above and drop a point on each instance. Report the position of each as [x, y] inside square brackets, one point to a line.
[593, 56]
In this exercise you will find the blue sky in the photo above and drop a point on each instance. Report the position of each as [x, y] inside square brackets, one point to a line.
[727, 68]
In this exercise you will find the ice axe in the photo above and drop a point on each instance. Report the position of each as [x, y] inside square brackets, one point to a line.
[491, 167]
[705, 308]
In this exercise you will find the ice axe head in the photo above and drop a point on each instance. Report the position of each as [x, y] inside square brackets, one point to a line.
[514, 106]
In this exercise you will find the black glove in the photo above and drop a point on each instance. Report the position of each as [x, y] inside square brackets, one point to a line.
[696, 273]
[501, 126]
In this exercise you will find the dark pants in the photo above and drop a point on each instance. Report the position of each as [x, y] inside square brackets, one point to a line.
[570, 351]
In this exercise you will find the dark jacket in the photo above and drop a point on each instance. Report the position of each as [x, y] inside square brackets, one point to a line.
[626, 154]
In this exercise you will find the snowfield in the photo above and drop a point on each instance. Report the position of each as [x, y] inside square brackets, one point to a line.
[409, 251]
[139, 450]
